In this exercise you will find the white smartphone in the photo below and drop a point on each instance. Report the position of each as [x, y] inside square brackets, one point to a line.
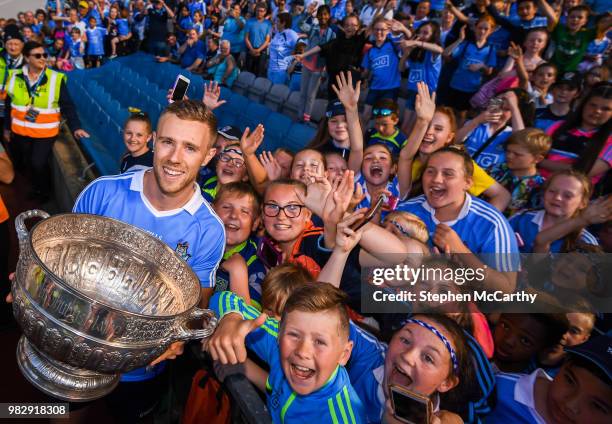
[410, 407]
[180, 88]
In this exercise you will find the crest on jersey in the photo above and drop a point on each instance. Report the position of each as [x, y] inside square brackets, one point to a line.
[181, 249]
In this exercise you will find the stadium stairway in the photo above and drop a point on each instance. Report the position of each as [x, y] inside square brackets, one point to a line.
[104, 96]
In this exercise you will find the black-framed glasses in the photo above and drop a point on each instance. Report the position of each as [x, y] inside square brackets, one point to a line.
[39, 55]
[292, 210]
[381, 112]
[237, 162]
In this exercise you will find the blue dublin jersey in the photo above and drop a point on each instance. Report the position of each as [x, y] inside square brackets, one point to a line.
[481, 227]
[194, 231]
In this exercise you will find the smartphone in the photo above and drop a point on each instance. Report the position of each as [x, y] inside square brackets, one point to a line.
[268, 254]
[370, 213]
[410, 407]
[495, 105]
[180, 88]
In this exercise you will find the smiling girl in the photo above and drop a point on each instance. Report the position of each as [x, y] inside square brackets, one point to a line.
[136, 135]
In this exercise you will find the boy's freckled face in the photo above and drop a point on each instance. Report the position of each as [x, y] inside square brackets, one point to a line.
[517, 338]
[238, 215]
[311, 347]
[578, 396]
[518, 157]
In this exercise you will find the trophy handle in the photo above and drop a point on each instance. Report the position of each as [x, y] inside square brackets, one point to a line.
[184, 333]
[22, 231]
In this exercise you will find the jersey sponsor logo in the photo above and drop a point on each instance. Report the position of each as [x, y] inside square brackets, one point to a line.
[181, 249]
[380, 62]
[416, 75]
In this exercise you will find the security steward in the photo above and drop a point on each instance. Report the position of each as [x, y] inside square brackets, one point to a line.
[10, 58]
[37, 99]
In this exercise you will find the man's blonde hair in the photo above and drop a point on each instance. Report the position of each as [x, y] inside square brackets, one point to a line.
[414, 225]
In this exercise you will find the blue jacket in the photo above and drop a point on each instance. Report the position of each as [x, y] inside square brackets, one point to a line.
[336, 402]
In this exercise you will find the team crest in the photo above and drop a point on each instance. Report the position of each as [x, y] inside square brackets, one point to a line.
[181, 249]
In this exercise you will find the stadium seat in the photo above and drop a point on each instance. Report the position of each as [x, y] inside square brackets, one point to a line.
[318, 110]
[292, 105]
[224, 119]
[276, 128]
[259, 89]
[276, 96]
[243, 82]
[238, 106]
[255, 114]
[105, 162]
[299, 136]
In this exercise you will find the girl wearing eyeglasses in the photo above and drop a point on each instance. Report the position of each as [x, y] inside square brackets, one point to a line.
[230, 167]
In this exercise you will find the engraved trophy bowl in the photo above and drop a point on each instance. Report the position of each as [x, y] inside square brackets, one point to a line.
[96, 297]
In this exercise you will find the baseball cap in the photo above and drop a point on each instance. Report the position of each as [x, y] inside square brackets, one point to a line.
[572, 79]
[84, 4]
[597, 350]
[230, 132]
[11, 32]
[335, 108]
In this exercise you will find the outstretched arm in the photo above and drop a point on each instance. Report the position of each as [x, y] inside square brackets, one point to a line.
[249, 143]
[349, 97]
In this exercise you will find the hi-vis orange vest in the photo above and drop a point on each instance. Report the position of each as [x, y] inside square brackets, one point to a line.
[45, 101]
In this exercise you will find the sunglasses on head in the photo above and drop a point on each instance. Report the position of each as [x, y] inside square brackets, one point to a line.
[382, 112]
[39, 55]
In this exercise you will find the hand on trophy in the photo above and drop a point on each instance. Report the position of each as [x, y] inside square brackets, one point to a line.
[175, 349]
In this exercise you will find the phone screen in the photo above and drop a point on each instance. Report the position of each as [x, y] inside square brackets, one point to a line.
[369, 214]
[409, 410]
[180, 89]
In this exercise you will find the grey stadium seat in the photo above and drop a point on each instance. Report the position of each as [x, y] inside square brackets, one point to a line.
[318, 110]
[292, 105]
[259, 89]
[243, 82]
[277, 95]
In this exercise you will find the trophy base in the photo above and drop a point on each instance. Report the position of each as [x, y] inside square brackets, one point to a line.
[61, 380]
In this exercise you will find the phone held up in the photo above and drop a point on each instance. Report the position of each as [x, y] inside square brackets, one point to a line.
[180, 88]
[410, 407]
[371, 213]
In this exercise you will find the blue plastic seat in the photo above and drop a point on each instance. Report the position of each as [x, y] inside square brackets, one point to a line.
[238, 105]
[255, 114]
[299, 136]
[105, 162]
[276, 128]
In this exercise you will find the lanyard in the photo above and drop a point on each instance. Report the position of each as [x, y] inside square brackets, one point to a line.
[9, 65]
[32, 89]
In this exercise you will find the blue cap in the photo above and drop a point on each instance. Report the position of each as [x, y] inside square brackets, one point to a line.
[597, 350]
[335, 108]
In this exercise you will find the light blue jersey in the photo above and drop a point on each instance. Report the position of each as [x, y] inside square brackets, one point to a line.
[95, 41]
[336, 402]
[494, 153]
[469, 54]
[481, 227]
[194, 231]
[516, 399]
[382, 62]
[529, 223]
[427, 71]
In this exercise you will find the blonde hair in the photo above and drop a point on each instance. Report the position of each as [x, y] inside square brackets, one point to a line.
[192, 110]
[414, 226]
[533, 139]
[320, 297]
[280, 282]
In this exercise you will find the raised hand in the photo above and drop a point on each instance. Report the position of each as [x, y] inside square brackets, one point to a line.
[271, 165]
[317, 191]
[250, 141]
[598, 211]
[212, 92]
[346, 238]
[339, 198]
[226, 345]
[347, 94]
[515, 51]
[425, 103]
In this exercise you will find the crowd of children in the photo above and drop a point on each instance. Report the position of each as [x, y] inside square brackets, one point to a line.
[485, 132]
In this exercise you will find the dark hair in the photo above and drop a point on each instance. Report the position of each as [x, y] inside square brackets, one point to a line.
[31, 45]
[323, 8]
[417, 54]
[596, 144]
[140, 117]
[285, 18]
[555, 325]
[322, 136]
[459, 150]
[580, 8]
[525, 106]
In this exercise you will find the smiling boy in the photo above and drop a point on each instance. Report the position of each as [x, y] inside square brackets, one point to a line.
[306, 354]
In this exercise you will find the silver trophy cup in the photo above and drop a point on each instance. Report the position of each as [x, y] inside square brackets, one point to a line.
[95, 298]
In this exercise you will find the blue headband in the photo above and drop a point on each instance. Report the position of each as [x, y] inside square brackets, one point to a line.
[444, 340]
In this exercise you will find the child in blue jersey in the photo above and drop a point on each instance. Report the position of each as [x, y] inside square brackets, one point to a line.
[123, 31]
[381, 66]
[237, 204]
[385, 131]
[597, 49]
[306, 354]
[526, 18]
[378, 176]
[76, 49]
[566, 197]
[294, 70]
[580, 393]
[519, 174]
[184, 23]
[475, 59]
[95, 43]
[137, 133]
[520, 337]
[423, 59]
